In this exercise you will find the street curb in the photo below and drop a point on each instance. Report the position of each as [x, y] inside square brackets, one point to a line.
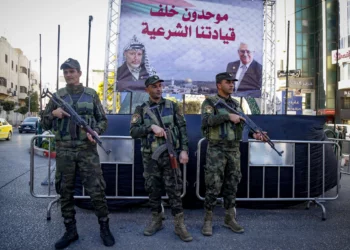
[43, 152]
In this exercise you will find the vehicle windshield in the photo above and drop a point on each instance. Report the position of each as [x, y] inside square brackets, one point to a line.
[31, 119]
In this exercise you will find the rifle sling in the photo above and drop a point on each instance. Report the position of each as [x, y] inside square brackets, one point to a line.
[151, 115]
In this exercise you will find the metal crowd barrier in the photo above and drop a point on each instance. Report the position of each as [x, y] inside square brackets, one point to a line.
[344, 146]
[262, 155]
[123, 148]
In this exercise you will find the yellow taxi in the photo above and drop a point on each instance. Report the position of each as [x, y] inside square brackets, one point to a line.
[5, 129]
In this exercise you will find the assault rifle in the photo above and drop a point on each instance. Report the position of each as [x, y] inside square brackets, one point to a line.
[167, 146]
[251, 125]
[74, 116]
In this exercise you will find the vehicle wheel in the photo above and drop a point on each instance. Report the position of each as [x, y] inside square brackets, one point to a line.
[20, 131]
[9, 136]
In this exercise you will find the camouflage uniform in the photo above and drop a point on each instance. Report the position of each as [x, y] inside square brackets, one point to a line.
[222, 169]
[74, 151]
[160, 173]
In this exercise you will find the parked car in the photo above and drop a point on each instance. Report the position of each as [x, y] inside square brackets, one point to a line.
[5, 129]
[29, 124]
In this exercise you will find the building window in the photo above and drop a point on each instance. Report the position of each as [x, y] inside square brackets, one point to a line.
[22, 89]
[345, 102]
[6, 58]
[308, 100]
[12, 65]
[11, 84]
[16, 87]
[23, 70]
[3, 82]
[16, 68]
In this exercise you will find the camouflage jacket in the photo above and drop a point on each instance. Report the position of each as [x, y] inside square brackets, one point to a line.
[140, 128]
[217, 122]
[47, 119]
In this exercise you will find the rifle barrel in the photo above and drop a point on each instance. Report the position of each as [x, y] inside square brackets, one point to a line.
[74, 116]
[248, 122]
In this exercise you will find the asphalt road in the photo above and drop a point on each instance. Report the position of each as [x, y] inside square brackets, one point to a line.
[24, 225]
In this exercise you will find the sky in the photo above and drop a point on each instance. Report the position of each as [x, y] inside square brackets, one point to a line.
[21, 22]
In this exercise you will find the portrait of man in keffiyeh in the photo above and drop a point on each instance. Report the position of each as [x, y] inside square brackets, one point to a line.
[135, 62]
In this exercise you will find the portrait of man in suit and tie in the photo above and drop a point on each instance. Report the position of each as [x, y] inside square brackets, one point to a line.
[247, 71]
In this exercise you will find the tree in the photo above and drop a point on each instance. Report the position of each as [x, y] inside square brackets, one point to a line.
[191, 107]
[22, 110]
[34, 104]
[8, 106]
[110, 92]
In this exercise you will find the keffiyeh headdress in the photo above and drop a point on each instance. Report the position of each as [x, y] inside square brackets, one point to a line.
[134, 43]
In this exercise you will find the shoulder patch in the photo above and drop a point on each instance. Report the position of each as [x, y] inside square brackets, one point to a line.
[208, 109]
[135, 118]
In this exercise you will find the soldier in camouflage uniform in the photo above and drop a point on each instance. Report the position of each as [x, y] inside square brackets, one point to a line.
[77, 151]
[223, 131]
[158, 174]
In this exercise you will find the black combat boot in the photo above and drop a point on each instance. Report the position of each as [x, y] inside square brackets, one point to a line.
[105, 233]
[69, 236]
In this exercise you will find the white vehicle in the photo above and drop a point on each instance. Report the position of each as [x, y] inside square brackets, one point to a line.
[331, 126]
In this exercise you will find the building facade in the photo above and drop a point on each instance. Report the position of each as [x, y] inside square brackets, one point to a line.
[313, 37]
[343, 61]
[16, 78]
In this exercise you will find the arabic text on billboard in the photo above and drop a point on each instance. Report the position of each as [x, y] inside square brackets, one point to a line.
[186, 43]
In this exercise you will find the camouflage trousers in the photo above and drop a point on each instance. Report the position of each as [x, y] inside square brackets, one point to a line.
[222, 175]
[87, 162]
[159, 176]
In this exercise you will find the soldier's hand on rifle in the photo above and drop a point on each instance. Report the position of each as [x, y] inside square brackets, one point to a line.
[261, 136]
[89, 136]
[158, 131]
[236, 118]
[183, 158]
[60, 113]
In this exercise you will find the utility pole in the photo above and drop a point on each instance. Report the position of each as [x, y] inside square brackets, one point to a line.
[41, 100]
[58, 55]
[29, 89]
[336, 102]
[287, 73]
[88, 58]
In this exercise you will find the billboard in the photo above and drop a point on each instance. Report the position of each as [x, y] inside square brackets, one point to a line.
[186, 43]
[295, 103]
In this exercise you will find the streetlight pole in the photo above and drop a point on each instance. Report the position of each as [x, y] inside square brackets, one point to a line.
[29, 92]
[29, 103]
[41, 102]
[287, 73]
[88, 58]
